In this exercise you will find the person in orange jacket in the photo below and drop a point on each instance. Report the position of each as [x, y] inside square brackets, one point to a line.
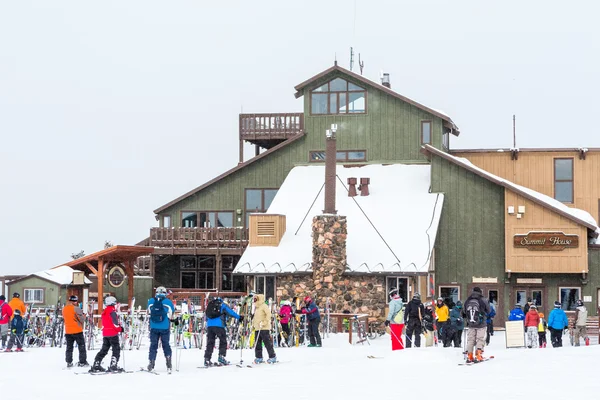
[73, 317]
[17, 304]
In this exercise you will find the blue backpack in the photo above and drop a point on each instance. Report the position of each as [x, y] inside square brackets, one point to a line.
[158, 312]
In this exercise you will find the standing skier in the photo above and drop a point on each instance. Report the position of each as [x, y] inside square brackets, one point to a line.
[161, 309]
[413, 317]
[285, 314]
[532, 320]
[542, 331]
[5, 316]
[215, 314]
[516, 314]
[17, 304]
[475, 312]
[314, 318]
[557, 322]
[395, 319]
[18, 329]
[490, 323]
[110, 338]
[442, 312]
[428, 325]
[457, 323]
[579, 325]
[73, 317]
[261, 322]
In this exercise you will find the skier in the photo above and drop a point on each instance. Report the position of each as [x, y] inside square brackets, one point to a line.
[532, 320]
[261, 322]
[73, 317]
[110, 338]
[442, 312]
[557, 322]
[413, 316]
[428, 326]
[314, 318]
[542, 326]
[516, 314]
[17, 304]
[18, 329]
[528, 305]
[457, 324]
[475, 312]
[490, 323]
[395, 319]
[160, 309]
[5, 315]
[580, 322]
[215, 328]
[285, 313]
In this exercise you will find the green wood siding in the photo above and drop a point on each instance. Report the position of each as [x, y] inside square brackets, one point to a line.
[142, 290]
[470, 241]
[52, 291]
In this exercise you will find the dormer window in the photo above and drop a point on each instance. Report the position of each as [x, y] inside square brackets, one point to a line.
[338, 97]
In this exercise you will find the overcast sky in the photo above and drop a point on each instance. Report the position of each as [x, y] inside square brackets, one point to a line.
[110, 109]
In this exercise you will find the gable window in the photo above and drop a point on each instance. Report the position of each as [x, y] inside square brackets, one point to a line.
[400, 283]
[33, 295]
[258, 201]
[446, 141]
[425, 132]
[563, 179]
[342, 155]
[166, 221]
[338, 97]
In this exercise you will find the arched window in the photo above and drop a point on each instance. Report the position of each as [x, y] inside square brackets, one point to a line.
[338, 97]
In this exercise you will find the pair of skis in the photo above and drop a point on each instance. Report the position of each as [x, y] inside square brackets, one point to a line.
[477, 362]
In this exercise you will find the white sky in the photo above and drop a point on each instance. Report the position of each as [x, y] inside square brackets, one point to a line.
[110, 109]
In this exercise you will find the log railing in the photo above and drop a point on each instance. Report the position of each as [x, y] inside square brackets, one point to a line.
[271, 126]
[199, 237]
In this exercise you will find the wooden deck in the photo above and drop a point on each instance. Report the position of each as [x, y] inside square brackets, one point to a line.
[268, 130]
[217, 238]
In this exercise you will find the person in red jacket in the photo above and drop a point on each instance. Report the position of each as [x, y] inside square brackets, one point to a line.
[110, 333]
[5, 315]
[532, 320]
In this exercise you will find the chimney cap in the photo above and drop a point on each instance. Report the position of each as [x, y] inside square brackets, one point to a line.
[385, 79]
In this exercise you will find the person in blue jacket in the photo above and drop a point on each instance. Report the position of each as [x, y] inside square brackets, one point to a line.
[215, 328]
[516, 314]
[314, 318]
[457, 324]
[160, 310]
[557, 322]
[490, 323]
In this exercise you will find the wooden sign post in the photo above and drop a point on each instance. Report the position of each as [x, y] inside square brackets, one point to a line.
[515, 334]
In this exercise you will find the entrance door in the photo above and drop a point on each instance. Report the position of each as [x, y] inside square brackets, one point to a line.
[493, 294]
[535, 294]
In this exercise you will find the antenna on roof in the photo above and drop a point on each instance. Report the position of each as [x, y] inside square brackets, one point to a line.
[334, 58]
[361, 64]
[351, 58]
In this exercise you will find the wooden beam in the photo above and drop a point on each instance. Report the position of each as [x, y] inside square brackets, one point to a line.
[91, 268]
[129, 270]
[100, 276]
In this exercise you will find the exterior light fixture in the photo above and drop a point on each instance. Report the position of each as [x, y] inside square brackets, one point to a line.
[329, 134]
[334, 128]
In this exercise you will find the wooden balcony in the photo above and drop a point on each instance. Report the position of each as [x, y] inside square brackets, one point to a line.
[268, 130]
[197, 238]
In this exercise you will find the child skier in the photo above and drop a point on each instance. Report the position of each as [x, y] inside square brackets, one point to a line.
[285, 313]
[532, 320]
[18, 329]
[542, 326]
[262, 327]
[110, 339]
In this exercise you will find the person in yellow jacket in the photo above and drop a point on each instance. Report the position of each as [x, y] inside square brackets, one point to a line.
[262, 330]
[17, 304]
[542, 327]
[443, 315]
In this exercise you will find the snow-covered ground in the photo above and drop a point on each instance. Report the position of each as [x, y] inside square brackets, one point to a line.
[336, 371]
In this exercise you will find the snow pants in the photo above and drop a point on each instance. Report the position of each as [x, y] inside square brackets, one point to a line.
[15, 339]
[542, 339]
[313, 331]
[73, 338]
[532, 337]
[580, 332]
[413, 327]
[556, 337]
[396, 335]
[107, 343]
[163, 336]
[263, 337]
[4, 333]
[490, 332]
[457, 339]
[476, 338]
[213, 332]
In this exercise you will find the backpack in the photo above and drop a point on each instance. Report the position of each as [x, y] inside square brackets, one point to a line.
[213, 309]
[474, 314]
[158, 313]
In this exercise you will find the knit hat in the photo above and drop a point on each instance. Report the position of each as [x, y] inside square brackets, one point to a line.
[2, 297]
[557, 304]
[478, 290]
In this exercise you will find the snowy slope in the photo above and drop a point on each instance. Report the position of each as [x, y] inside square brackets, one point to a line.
[336, 371]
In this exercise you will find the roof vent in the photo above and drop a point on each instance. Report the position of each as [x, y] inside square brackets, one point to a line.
[385, 80]
[352, 187]
[364, 186]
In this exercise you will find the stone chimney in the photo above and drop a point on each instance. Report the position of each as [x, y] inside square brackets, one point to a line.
[385, 80]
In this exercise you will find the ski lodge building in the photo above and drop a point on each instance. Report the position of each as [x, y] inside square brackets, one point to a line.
[408, 211]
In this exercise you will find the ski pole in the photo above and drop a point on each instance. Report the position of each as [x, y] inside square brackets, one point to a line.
[123, 341]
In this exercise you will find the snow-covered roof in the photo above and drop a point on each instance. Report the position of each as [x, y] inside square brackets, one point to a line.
[577, 215]
[62, 275]
[393, 230]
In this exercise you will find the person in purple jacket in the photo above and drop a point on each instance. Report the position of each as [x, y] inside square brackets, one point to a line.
[314, 318]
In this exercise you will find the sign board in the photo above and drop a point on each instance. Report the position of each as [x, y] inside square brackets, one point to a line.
[515, 334]
[587, 299]
[116, 276]
[546, 241]
[78, 278]
[530, 280]
[485, 280]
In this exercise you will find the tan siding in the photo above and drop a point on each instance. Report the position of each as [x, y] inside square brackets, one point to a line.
[538, 218]
[278, 224]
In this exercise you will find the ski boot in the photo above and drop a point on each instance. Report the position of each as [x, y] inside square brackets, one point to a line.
[312, 345]
[479, 355]
[223, 361]
[83, 364]
[470, 358]
[8, 350]
[150, 365]
[169, 365]
[272, 360]
[70, 365]
[19, 350]
[258, 361]
[113, 366]
[207, 363]
[97, 367]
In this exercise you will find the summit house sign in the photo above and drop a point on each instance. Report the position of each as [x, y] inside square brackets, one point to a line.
[546, 241]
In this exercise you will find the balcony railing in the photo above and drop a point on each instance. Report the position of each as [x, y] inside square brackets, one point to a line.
[271, 126]
[199, 237]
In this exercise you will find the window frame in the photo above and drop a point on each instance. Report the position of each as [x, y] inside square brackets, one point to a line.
[43, 290]
[264, 290]
[387, 290]
[423, 122]
[188, 271]
[572, 180]
[166, 217]
[439, 291]
[328, 94]
[560, 288]
[345, 160]
[198, 219]
[263, 209]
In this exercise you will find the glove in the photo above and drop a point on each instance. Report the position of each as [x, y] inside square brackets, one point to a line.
[241, 319]
[175, 321]
[121, 329]
[26, 330]
[14, 331]
[387, 323]
[303, 310]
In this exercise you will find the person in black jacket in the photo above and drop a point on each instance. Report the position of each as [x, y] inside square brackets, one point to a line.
[413, 317]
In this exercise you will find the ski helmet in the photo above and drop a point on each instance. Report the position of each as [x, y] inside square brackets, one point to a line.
[307, 299]
[417, 296]
[579, 303]
[393, 292]
[533, 306]
[557, 304]
[287, 303]
[518, 305]
[17, 295]
[161, 291]
[110, 301]
[74, 298]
